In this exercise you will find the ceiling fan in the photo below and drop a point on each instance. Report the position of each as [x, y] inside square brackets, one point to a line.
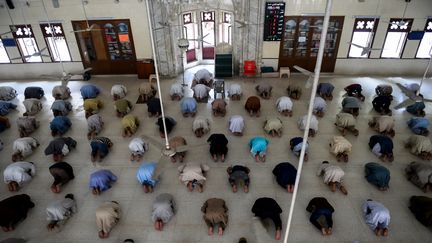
[165, 156]
[35, 54]
[402, 23]
[413, 96]
[66, 76]
[368, 48]
[244, 23]
[89, 27]
[310, 75]
[365, 49]
[199, 39]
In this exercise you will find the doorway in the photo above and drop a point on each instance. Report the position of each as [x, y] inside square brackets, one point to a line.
[107, 47]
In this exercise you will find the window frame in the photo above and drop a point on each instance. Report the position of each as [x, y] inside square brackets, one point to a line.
[374, 30]
[398, 29]
[54, 35]
[14, 29]
[426, 30]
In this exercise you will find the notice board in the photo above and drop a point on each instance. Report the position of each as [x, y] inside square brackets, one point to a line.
[273, 21]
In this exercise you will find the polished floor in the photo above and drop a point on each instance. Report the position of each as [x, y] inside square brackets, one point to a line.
[187, 225]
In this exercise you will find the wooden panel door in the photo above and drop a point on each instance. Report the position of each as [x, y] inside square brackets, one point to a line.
[108, 47]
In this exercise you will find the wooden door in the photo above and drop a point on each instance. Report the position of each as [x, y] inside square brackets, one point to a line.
[108, 48]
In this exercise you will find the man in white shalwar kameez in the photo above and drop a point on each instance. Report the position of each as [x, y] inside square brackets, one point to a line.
[340, 147]
[59, 212]
[23, 147]
[319, 106]
[332, 176]
[235, 91]
[383, 124]
[163, 210]
[420, 146]
[61, 92]
[32, 106]
[118, 91]
[346, 122]
[107, 216]
[377, 217]
[94, 126]
[138, 147]
[193, 175]
[284, 105]
[236, 125]
[18, 173]
[201, 126]
[313, 127]
[203, 76]
[176, 91]
[201, 92]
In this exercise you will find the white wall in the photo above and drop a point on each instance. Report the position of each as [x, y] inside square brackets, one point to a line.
[135, 11]
[71, 10]
[417, 9]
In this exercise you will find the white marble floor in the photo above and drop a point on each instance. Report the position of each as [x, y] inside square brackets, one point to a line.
[188, 225]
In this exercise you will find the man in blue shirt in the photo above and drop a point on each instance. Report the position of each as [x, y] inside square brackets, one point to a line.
[418, 125]
[101, 180]
[89, 91]
[60, 125]
[258, 146]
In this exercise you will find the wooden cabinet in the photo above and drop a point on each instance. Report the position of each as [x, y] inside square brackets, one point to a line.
[301, 38]
[108, 47]
[145, 67]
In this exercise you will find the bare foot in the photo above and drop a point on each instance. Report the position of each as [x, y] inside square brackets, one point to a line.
[323, 231]
[189, 186]
[278, 234]
[220, 231]
[234, 188]
[329, 231]
[210, 231]
[246, 189]
[200, 188]
[385, 232]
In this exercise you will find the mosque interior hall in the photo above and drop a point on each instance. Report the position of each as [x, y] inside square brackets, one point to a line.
[342, 66]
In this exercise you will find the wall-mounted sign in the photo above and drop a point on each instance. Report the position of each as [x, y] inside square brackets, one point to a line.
[274, 20]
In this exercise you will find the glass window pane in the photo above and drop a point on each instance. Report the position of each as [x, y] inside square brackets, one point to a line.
[394, 44]
[362, 39]
[4, 58]
[59, 49]
[208, 32]
[424, 50]
[28, 48]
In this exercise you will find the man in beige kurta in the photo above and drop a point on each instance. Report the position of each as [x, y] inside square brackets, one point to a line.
[420, 174]
[273, 126]
[383, 125]
[332, 176]
[147, 91]
[215, 212]
[107, 216]
[193, 175]
[420, 146]
[346, 122]
[340, 147]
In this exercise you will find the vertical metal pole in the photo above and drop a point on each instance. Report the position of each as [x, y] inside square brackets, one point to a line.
[157, 74]
[311, 101]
